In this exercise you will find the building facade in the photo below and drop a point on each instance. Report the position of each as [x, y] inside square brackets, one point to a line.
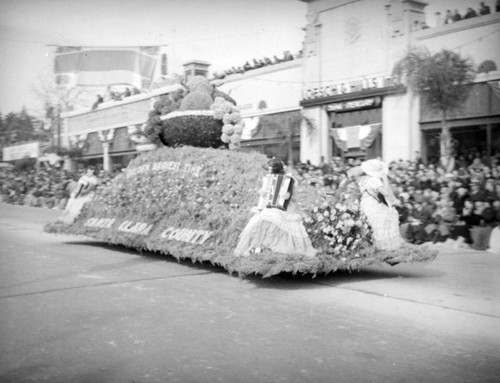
[268, 98]
[338, 98]
[350, 49]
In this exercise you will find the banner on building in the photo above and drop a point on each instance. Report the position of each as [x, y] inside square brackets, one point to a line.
[17, 152]
[102, 66]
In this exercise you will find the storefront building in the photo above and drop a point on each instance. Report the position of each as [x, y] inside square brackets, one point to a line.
[350, 48]
[338, 97]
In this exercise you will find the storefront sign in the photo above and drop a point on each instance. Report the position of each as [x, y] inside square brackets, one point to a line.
[329, 90]
[354, 104]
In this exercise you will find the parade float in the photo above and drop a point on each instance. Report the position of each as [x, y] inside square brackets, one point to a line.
[192, 197]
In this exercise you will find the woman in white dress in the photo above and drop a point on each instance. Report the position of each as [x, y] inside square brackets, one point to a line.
[377, 202]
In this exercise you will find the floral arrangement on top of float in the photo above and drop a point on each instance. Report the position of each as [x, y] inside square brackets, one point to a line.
[337, 226]
[178, 113]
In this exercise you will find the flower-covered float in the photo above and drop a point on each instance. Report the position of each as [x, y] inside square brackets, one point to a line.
[192, 197]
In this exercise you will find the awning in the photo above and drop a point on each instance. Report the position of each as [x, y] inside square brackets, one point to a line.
[357, 136]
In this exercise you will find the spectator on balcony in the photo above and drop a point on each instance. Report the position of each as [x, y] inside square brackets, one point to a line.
[485, 9]
[470, 13]
[257, 63]
[448, 19]
[287, 56]
[439, 19]
[456, 16]
[99, 100]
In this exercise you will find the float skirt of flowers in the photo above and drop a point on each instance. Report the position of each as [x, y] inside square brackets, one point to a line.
[193, 203]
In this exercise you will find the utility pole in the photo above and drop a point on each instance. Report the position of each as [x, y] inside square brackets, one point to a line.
[58, 128]
[289, 129]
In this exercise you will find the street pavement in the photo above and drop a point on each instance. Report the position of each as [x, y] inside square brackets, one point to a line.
[76, 310]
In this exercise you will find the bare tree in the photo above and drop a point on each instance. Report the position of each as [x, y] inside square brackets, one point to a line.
[56, 99]
[442, 80]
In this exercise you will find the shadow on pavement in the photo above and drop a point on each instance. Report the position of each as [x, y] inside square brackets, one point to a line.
[281, 281]
[147, 256]
[372, 273]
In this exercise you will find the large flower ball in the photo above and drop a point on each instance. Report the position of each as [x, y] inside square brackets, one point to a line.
[193, 128]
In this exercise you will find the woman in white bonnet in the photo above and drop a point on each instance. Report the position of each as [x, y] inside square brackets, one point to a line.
[377, 202]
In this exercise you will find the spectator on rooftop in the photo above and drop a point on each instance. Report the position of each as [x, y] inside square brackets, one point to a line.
[484, 9]
[439, 19]
[456, 16]
[448, 19]
[99, 100]
[470, 13]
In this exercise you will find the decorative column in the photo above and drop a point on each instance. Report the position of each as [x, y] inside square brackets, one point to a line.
[106, 138]
[137, 136]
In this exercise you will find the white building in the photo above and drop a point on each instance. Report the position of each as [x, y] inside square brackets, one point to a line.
[350, 49]
[338, 97]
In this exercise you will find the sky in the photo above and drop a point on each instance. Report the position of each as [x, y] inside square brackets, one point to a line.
[224, 33]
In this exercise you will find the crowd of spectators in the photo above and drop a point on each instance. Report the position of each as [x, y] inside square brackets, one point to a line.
[114, 95]
[460, 207]
[454, 16]
[47, 187]
[257, 63]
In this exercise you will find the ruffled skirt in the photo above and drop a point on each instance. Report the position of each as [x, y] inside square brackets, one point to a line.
[276, 230]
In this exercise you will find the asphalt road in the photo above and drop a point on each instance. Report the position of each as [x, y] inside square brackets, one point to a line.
[76, 310]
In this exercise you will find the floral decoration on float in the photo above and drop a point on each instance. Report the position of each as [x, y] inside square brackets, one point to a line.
[191, 198]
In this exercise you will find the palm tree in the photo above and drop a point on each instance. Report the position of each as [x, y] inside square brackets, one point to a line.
[442, 80]
[284, 126]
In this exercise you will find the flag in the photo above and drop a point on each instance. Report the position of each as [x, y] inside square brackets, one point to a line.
[102, 66]
[357, 136]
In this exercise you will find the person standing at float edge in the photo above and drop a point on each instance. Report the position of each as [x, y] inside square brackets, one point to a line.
[377, 202]
[83, 193]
